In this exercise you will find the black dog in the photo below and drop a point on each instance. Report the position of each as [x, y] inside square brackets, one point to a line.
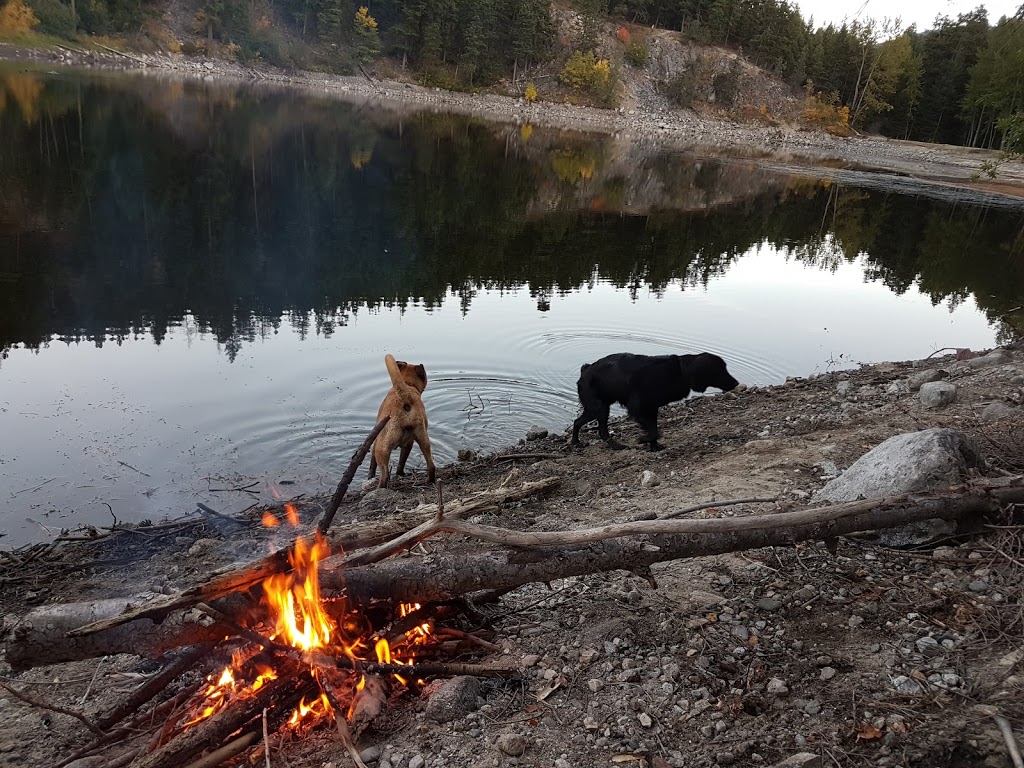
[644, 383]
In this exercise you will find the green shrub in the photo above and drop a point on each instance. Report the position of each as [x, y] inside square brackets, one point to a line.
[637, 53]
[681, 89]
[55, 18]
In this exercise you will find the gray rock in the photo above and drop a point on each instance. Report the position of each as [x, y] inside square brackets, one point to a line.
[914, 461]
[995, 357]
[467, 454]
[769, 604]
[800, 760]
[812, 707]
[918, 380]
[536, 433]
[370, 755]
[978, 586]
[777, 687]
[827, 673]
[997, 411]
[928, 646]
[648, 479]
[843, 387]
[905, 684]
[896, 388]
[417, 761]
[936, 394]
[454, 699]
[512, 744]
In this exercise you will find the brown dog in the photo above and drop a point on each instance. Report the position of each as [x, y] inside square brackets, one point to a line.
[408, 423]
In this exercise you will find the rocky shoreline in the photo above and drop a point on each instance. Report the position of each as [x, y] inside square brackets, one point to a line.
[864, 656]
[785, 146]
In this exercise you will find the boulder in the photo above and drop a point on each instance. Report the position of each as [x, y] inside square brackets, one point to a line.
[995, 357]
[936, 394]
[931, 459]
[918, 380]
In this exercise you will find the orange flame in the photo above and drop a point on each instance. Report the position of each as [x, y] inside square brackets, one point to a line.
[294, 598]
[291, 515]
[269, 520]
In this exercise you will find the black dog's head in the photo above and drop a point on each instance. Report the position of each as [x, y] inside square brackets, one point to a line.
[708, 370]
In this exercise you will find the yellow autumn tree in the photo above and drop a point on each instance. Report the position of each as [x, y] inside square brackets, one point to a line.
[367, 39]
[16, 18]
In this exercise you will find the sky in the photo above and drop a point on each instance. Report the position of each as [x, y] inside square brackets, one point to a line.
[921, 12]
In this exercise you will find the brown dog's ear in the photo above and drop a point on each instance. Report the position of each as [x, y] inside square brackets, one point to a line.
[421, 372]
[401, 364]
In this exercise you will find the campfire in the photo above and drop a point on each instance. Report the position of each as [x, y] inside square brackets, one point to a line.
[307, 661]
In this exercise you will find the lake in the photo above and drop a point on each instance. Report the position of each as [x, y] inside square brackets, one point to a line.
[198, 285]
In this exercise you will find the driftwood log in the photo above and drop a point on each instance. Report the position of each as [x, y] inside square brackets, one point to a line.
[525, 557]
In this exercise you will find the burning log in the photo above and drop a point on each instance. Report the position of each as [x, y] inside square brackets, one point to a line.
[240, 579]
[527, 557]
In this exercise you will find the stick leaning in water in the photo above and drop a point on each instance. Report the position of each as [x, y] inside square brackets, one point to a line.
[350, 473]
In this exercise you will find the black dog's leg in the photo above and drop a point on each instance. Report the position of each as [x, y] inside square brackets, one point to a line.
[602, 429]
[577, 425]
[647, 418]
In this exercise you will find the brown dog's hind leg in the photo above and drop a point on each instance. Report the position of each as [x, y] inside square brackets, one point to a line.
[403, 456]
[373, 466]
[383, 461]
[424, 443]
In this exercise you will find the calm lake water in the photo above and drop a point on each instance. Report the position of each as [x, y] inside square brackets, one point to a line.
[198, 285]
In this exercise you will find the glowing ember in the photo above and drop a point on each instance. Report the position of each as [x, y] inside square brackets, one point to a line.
[269, 520]
[299, 620]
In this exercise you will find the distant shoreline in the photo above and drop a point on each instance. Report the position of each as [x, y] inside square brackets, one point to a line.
[949, 166]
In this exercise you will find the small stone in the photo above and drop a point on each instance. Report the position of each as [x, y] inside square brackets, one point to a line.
[800, 760]
[454, 699]
[512, 744]
[645, 720]
[812, 707]
[725, 758]
[855, 621]
[648, 479]
[950, 680]
[936, 394]
[417, 761]
[370, 755]
[978, 586]
[929, 646]
[827, 673]
[769, 604]
[945, 553]
[843, 387]
[536, 433]
[530, 660]
[905, 684]
[467, 454]
[595, 684]
[777, 687]
[997, 411]
[562, 763]
[918, 380]
[740, 632]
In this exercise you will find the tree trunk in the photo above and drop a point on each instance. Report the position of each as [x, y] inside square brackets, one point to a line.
[41, 637]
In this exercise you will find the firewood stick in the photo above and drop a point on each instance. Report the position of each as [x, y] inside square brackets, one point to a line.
[241, 579]
[442, 669]
[289, 687]
[350, 473]
[52, 708]
[225, 753]
[1011, 743]
[154, 685]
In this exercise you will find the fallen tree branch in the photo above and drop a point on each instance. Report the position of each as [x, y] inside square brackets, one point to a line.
[545, 556]
[240, 579]
[350, 473]
[52, 708]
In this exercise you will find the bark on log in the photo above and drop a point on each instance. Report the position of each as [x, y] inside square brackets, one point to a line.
[239, 579]
[444, 576]
[41, 637]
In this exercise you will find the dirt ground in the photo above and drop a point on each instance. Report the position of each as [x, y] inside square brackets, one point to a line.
[870, 656]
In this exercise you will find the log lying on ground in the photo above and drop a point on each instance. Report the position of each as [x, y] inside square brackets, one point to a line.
[543, 557]
[41, 636]
[240, 579]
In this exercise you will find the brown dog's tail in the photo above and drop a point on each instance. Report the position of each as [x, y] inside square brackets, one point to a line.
[405, 392]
